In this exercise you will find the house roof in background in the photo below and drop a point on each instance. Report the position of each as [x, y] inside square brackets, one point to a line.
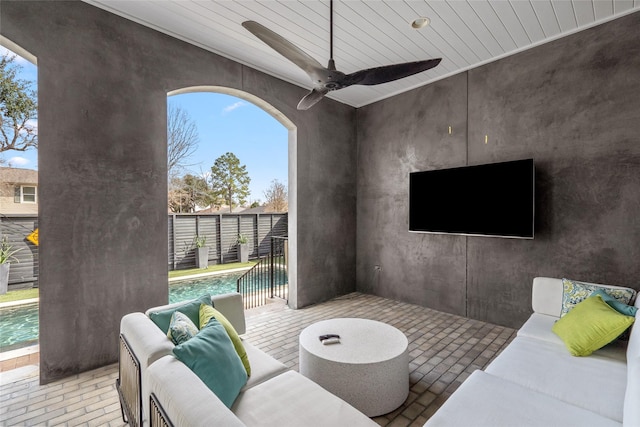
[18, 176]
[371, 33]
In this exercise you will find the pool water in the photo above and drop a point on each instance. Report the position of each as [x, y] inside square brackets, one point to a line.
[19, 324]
[185, 290]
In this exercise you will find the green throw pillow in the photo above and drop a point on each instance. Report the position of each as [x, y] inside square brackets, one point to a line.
[191, 308]
[590, 325]
[207, 313]
[181, 328]
[211, 356]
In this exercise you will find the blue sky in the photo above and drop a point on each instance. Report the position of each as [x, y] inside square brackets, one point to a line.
[225, 124]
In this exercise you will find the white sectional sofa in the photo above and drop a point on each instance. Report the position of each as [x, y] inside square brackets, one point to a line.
[162, 390]
[535, 381]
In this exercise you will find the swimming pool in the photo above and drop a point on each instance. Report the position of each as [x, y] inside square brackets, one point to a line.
[19, 324]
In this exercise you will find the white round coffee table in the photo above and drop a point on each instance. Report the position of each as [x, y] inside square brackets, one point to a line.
[369, 368]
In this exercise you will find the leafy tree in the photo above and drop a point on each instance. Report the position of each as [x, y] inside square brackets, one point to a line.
[188, 192]
[182, 139]
[18, 108]
[229, 180]
[276, 196]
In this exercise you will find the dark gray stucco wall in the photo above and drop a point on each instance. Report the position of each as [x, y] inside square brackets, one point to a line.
[102, 88]
[397, 136]
[574, 106]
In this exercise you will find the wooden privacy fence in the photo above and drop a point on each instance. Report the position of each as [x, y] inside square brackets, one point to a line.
[220, 230]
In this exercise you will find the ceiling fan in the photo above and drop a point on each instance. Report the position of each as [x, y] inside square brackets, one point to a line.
[328, 79]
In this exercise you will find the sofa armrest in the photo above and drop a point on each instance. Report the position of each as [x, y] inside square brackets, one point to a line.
[147, 343]
[546, 296]
[184, 398]
[146, 340]
[232, 307]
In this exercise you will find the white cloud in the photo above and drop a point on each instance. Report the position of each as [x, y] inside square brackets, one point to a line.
[31, 125]
[233, 106]
[18, 161]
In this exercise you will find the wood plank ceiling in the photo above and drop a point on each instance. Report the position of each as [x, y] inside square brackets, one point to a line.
[371, 33]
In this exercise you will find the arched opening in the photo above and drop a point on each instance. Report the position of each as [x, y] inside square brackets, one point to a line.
[19, 197]
[291, 174]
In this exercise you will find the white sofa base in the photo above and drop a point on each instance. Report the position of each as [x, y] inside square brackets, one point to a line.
[535, 382]
[273, 395]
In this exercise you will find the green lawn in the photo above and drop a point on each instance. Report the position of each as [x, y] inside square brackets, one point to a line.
[19, 295]
[33, 293]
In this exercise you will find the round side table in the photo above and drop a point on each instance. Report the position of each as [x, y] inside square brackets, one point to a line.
[369, 368]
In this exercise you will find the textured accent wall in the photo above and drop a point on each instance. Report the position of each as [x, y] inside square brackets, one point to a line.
[574, 106]
[102, 88]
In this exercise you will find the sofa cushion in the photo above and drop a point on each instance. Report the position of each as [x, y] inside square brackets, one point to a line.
[594, 383]
[162, 317]
[263, 366]
[181, 328]
[291, 399]
[484, 400]
[590, 325]
[211, 356]
[574, 292]
[207, 313]
[184, 397]
[538, 326]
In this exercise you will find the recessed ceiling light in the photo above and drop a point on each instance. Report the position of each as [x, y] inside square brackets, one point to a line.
[420, 22]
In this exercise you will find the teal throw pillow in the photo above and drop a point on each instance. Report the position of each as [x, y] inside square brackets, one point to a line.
[627, 310]
[212, 357]
[162, 318]
[181, 328]
[574, 292]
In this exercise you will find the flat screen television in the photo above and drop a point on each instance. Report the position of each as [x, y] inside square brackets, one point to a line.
[494, 199]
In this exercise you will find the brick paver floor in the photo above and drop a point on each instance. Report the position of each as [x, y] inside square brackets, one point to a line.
[444, 350]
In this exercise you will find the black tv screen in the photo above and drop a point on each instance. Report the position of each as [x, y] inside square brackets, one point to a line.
[486, 200]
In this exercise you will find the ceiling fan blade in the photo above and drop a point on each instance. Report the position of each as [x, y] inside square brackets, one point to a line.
[311, 99]
[285, 48]
[388, 73]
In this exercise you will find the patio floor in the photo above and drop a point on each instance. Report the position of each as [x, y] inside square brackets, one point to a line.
[444, 350]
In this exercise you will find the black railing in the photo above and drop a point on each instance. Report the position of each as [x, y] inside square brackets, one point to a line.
[268, 278]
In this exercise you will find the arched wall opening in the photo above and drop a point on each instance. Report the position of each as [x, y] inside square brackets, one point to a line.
[292, 170]
[103, 173]
[19, 197]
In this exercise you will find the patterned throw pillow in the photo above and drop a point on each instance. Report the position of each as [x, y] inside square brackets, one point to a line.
[181, 328]
[574, 292]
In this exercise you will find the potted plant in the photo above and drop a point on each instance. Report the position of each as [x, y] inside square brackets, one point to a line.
[7, 254]
[243, 248]
[202, 252]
